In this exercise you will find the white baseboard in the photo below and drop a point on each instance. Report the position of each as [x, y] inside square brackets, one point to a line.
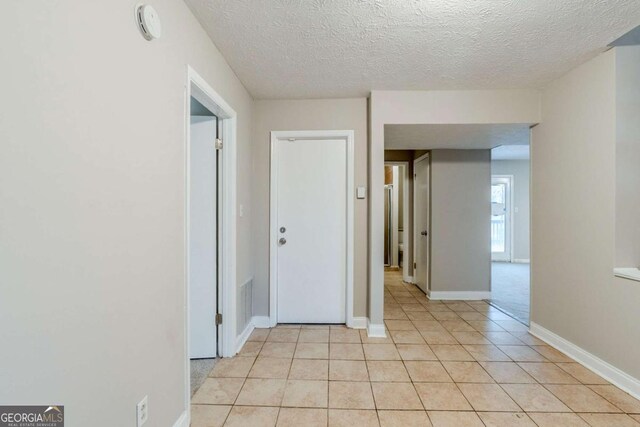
[408, 279]
[244, 336]
[261, 322]
[521, 261]
[375, 330]
[359, 323]
[607, 371]
[183, 420]
[458, 295]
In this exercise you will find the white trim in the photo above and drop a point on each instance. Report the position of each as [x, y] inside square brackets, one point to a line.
[375, 330]
[197, 87]
[511, 186]
[359, 323]
[244, 336]
[348, 136]
[458, 295]
[408, 279]
[627, 273]
[183, 420]
[521, 261]
[261, 322]
[607, 371]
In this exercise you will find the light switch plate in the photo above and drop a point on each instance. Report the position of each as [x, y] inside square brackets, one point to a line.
[361, 192]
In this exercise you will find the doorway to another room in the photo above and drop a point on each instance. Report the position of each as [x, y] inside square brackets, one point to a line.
[396, 218]
[510, 267]
[211, 315]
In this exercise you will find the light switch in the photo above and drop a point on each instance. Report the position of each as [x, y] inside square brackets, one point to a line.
[361, 192]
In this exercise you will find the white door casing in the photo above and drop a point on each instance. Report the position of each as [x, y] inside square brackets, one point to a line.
[312, 192]
[502, 219]
[202, 268]
[421, 229]
[197, 87]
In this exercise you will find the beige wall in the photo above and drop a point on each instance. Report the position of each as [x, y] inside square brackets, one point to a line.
[92, 179]
[520, 171]
[573, 159]
[320, 114]
[460, 217]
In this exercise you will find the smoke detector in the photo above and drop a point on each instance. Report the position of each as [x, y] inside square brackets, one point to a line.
[148, 21]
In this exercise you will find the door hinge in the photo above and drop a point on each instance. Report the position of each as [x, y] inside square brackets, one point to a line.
[218, 319]
[218, 144]
[415, 265]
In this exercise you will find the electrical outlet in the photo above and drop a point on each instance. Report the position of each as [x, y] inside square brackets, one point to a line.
[143, 411]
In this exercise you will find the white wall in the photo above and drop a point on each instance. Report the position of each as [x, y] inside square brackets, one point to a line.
[460, 217]
[573, 158]
[520, 171]
[92, 193]
[319, 114]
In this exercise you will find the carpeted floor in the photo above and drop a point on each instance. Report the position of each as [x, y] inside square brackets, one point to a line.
[510, 288]
[200, 369]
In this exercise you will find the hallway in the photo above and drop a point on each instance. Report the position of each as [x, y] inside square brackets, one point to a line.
[444, 364]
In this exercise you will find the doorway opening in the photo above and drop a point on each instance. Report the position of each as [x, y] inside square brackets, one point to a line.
[396, 218]
[210, 257]
[510, 266]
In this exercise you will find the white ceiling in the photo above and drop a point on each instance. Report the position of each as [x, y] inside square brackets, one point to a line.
[510, 152]
[341, 48]
[444, 136]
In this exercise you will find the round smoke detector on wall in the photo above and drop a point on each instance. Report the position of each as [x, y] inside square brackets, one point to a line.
[148, 21]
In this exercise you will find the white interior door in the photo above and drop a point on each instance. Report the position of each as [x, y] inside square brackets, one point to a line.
[501, 218]
[421, 221]
[202, 238]
[311, 221]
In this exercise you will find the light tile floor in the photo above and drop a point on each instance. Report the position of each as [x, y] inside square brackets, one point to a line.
[443, 364]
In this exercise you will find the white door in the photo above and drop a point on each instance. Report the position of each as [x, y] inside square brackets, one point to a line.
[421, 221]
[202, 238]
[501, 218]
[311, 221]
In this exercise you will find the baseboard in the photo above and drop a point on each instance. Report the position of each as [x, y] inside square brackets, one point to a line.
[461, 295]
[244, 336]
[375, 330]
[183, 420]
[408, 279]
[521, 261]
[261, 322]
[607, 371]
[358, 323]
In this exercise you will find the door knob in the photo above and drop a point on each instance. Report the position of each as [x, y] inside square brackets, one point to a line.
[424, 233]
[282, 241]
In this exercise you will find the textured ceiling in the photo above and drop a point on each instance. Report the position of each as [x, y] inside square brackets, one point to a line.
[473, 136]
[341, 48]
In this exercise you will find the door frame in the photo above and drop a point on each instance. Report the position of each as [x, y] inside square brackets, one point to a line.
[408, 227]
[425, 157]
[197, 87]
[348, 136]
[510, 217]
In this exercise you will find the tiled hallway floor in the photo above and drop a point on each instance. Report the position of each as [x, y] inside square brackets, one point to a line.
[444, 364]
